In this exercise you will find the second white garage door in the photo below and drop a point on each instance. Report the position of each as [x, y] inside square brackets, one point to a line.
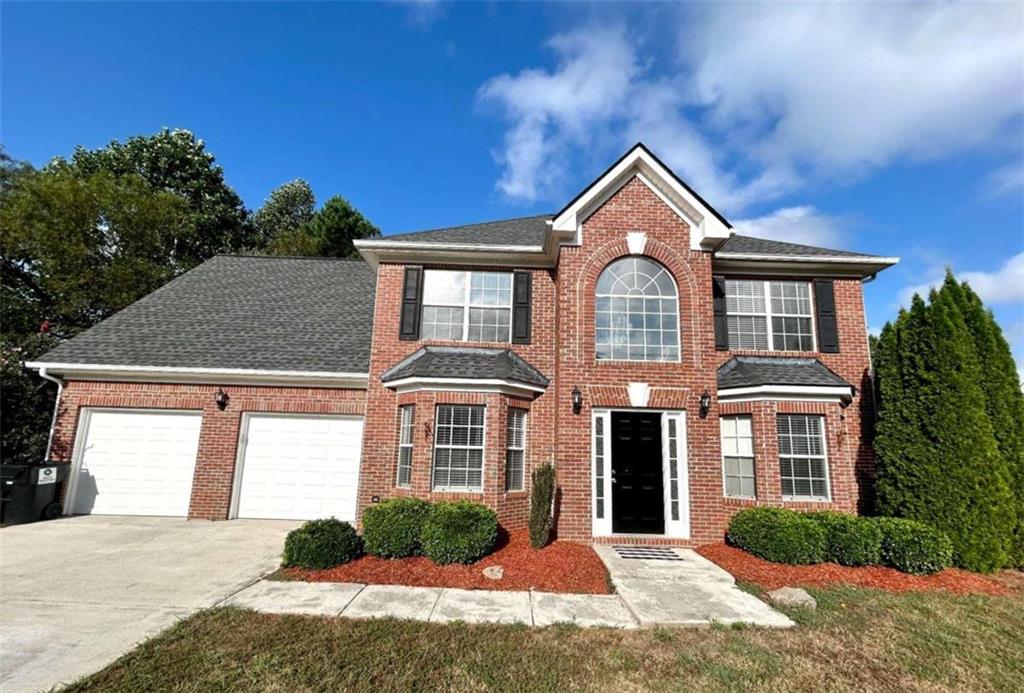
[299, 467]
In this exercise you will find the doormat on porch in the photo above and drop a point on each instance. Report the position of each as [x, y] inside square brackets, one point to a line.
[649, 553]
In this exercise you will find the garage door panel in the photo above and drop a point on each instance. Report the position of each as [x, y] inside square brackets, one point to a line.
[302, 468]
[137, 463]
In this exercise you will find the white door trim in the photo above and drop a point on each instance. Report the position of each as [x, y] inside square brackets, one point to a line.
[82, 436]
[243, 441]
[674, 529]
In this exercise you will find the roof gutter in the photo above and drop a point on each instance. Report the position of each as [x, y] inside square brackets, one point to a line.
[45, 375]
[223, 376]
[375, 251]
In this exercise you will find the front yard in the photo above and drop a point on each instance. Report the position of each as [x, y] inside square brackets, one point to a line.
[859, 639]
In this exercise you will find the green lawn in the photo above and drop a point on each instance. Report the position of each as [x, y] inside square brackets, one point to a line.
[857, 640]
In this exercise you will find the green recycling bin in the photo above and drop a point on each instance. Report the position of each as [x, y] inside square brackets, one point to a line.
[30, 492]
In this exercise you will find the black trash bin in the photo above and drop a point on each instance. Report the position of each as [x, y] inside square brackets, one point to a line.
[30, 492]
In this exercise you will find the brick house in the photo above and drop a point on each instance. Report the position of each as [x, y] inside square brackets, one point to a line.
[672, 370]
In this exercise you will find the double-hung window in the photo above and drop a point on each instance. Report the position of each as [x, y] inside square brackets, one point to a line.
[407, 417]
[467, 306]
[738, 456]
[769, 315]
[458, 448]
[515, 450]
[802, 460]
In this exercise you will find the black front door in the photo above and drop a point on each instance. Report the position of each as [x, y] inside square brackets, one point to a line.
[638, 501]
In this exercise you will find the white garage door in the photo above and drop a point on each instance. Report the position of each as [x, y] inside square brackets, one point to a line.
[136, 462]
[300, 467]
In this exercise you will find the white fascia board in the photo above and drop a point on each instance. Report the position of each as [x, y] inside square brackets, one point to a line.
[851, 266]
[376, 251]
[707, 229]
[816, 393]
[215, 376]
[508, 387]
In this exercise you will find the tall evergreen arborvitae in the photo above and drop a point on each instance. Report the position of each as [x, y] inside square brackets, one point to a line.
[1004, 401]
[938, 461]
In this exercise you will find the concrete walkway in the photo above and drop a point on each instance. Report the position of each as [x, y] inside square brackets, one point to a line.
[688, 592]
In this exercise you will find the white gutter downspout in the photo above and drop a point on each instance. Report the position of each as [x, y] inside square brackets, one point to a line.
[56, 407]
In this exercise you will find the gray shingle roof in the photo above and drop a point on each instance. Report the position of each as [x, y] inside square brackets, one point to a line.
[465, 362]
[750, 245]
[751, 371]
[260, 313]
[521, 231]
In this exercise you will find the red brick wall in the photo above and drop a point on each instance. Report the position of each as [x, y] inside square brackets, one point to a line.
[218, 437]
[378, 473]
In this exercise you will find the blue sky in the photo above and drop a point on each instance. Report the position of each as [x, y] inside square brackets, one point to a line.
[895, 129]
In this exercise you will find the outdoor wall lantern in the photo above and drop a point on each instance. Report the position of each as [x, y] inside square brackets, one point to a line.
[705, 404]
[221, 399]
[577, 400]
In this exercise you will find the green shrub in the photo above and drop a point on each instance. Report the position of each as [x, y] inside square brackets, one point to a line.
[459, 532]
[849, 540]
[320, 544]
[541, 497]
[913, 547]
[779, 535]
[392, 529]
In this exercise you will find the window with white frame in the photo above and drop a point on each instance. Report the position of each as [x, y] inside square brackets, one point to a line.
[467, 306]
[738, 456]
[636, 312]
[802, 460]
[407, 417]
[766, 315]
[458, 448]
[515, 450]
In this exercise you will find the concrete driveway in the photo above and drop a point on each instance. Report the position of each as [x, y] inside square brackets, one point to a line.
[76, 593]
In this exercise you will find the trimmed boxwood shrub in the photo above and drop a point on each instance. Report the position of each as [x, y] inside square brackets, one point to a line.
[459, 532]
[849, 539]
[320, 544]
[541, 497]
[392, 529]
[779, 535]
[913, 547]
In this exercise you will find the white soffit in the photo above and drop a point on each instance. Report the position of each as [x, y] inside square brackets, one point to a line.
[708, 230]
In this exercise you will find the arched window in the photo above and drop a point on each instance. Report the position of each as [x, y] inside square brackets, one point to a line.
[637, 312]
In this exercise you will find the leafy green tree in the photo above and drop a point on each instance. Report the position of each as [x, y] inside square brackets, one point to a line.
[938, 461]
[1004, 401]
[25, 400]
[175, 161]
[288, 208]
[336, 225]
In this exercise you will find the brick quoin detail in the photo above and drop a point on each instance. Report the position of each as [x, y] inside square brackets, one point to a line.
[218, 438]
[562, 348]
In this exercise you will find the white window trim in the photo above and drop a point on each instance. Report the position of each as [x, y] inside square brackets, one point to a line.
[482, 448]
[674, 529]
[768, 314]
[679, 336]
[827, 498]
[510, 448]
[753, 450]
[467, 303]
[401, 446]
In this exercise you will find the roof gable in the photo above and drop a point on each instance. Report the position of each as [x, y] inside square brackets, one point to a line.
[709, 227]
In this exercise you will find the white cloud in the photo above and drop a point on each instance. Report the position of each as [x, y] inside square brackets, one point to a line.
[1006, 180]
[794, 225]
[762, 97]
[1004, 285]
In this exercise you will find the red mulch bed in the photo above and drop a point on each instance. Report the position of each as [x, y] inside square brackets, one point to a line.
[558, 567]
[770, 576]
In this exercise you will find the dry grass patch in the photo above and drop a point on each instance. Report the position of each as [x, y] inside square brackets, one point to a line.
[857, 639]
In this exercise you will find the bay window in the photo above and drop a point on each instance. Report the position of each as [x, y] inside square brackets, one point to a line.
[458, 448]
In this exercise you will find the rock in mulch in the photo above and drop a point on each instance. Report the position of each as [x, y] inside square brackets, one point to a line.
[792, 596]
[494, 572]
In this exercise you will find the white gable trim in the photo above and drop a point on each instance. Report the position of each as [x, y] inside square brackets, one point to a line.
[707, 229]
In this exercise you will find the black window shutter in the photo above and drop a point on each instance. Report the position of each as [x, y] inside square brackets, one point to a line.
[521, 299]
[721, 325]
[828, 328]
[412, 296]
